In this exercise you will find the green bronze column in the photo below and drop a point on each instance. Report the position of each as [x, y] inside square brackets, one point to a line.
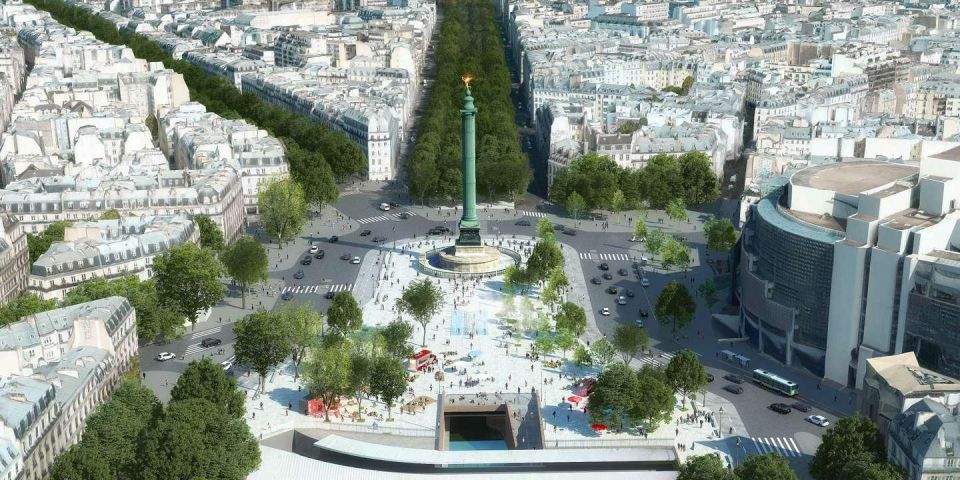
[469, 225]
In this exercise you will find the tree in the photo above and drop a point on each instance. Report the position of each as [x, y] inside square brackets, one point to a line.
[581, 356]
[721, 236]
[564, 340]
[618, 202]
[207, 380]
[81, 463]
[153, 321]
[188, 280]
[675, 254]
[261, 342]
[319, 185]
[613, 395]
[697, 181]
[361, 369]
[686, 374]
[197, 439]
[768, 467]
[557, 280]
[851, 440]
[246, 262]
[640, 229]
[210, 234]
[24, 305]
[302, 325]
[653, 400]
[344, 315]
[388, 381]
[628, 127]
[873, 471]
[708, 290]
[283, 208]
[685, 86]
[572, 318]
[602, 352]
[575, 205]
[111, 214]
[395, 338]
[545, 229]
[677, 209]
[629, 340]
[38, 244]
[675, 306]
[545, 343]
[421, 300]
[517, 278]
[544, 258]
[328, 375]
[705, 467]
[655, 240]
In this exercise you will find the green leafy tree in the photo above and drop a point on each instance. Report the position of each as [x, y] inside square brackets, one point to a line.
[328, 375]
[545, 229]
[602, 352]
[677, 209]
[575, 205]
[421, 300]
[395, 338]
[629, 340]
[38, 244]
[111, 214]
[675, 306]
[613, 396]
[153, 321]
[640, 230]
[628, 127]
[545, 343]
[618, 202]
[564, 340]
[207, 380]
[721, 236]
[197, 439]
[188, 280]
[581, 356]
[261, 342]
[572, 318]
[697, 178]
[768, 467]
[675, 254]
[851, 440]
[518, 278]
[361, 371]
[388, 381]
[318, 182]
[708, 290]
[283, 208]
[557, 280]
[873, 471]
[686, 374]
[344, 315]
[23, 306]
[544, 258]
[246, 262]
[210, 234]
[81, 463]
[655, 240]
[653, 400]
[685, 86]
[705, 467]
[303, 325]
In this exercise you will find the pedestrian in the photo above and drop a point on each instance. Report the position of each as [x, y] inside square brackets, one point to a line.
[261, 405]
[144, 374]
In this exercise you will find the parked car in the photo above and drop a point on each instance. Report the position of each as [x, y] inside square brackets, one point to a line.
[226, 364]
[644, 313]
[710, 378]
[345, 256]
[818, 420]
[394, 204]
[595, 281]
[318, 255]
[734, 378]
[607, 276]
[645, 282]
[736, 389]
[164, 356]
[558, 226]
[605, 312]
[801, 407]
[522, 223]
[298, 275]
[314, 248]
[613, 290]
[385, 207]
[570, 231]
[621, 300]
[781, 408]
[210, 342]
[355, 261]
[365, 233]
[287, 295]
[604, 266]
[333, 239]
[629, 293]
[306, 260]
[379, 239]
[623, 272]
[329, 295]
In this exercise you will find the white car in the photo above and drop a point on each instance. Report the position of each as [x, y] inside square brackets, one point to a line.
[818, 420]
[226, 364]
[621, 300]
[605, 312]
[645, 282]
[644, 260]
[164, 356]
[638, 239]
[355, 260]
[314, 248]
[385, 207]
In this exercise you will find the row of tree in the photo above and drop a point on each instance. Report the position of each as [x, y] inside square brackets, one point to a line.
[596, 182]
[469, 44]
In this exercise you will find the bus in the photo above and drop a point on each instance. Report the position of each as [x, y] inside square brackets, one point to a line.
[775, 382]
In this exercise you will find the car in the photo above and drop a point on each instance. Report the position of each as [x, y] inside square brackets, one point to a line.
[645, 282]
[164, 356]
[595, 281]
[405, 215]
[379, 239]
[640, 322]
[623, 272]
[801, 407]
[298, 275]
[333, 239]
[314, 248]
[329, 295]
[607, 276]
[210, 342]
[604, 266]
[522, 223]
[355, 261]
[558, 226]
[345, 256]
[621, 300]
[710, 378]
[287, 295]
[394, 204]
[629, 293]
[781, 408]
[365, 233]
[735, 389]
[226, 364]
[734, 378]
[570, 231]
[306, 260]
[644, 313]
[605, 312]
[819, 420]
[638, 239]
[385, 207]
[644, 260]
[613, 290]
[318, 255]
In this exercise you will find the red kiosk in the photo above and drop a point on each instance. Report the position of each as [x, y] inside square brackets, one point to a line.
[421, 360]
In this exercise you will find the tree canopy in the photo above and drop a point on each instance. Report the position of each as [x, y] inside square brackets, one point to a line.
[210, 234]
[768, 467]
[721, 236]
[705, 467]
[24, 305]
[572, 318]
[262, 341]
[328, 374]
[154, 323]
[621, 395]
[852, 440]
[188, 280]
[421, 300]
[207, 380]
[344, 315]
[685, 373]
[39, 243]
[629, 340]
[675, 306]
[283, 208]
[246, 262]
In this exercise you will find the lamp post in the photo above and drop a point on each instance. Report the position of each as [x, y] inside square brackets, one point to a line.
[720, 421]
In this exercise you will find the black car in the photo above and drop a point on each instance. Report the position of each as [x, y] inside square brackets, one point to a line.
[379, 239]
[298, 275]
[318, 255]
[802, 407]
[607, 276]
[644, 313]
[734, 378]
[595, 281]
[394, 204]
[781, 408]
[306, 260]
[522, 223]
[405, 215]
[330, 295]
[365, 233]
[629, 293]
[287, 295]
[345, 256]
[623, 272]
[613, 290]
[333, 239]
[681, 238]
[737, 389]
[604, 266]
[710, 378]
[210, 342]
[570, 231]
[438, 230]
[557, 226]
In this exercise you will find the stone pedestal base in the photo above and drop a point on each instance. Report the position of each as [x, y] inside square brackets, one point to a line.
[470, 259]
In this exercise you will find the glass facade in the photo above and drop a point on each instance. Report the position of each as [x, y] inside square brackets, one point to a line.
[932, 329]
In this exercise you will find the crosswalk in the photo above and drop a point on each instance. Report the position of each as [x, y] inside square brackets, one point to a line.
[528, 213]
[378, 218]
[409, 214]
[604, 256]
[659, 361]
[340, 287]
[783, 446]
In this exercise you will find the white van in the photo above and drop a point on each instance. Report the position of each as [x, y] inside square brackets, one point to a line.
[385, 207]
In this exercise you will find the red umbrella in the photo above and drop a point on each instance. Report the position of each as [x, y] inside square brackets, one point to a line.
[598, 427]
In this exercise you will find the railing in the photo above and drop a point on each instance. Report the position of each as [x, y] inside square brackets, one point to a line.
[427, 269]
[368, 427]
[611, 443]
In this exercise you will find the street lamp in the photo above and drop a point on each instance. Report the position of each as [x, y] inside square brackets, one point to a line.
[720, 420]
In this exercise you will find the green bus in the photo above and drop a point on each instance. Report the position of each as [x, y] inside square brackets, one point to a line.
[775, 382]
